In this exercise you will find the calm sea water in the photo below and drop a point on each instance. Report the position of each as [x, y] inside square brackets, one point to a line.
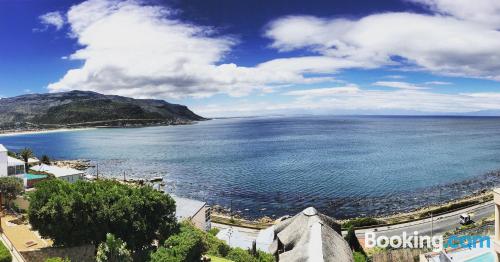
[345, 166]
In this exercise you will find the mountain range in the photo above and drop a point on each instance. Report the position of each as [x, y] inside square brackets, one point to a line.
[85, 108]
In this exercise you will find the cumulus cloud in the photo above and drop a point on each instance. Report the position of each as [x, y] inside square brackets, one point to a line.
[439, 44]
[54, 19]
[139, 50]
[486, 12]
[399, 85]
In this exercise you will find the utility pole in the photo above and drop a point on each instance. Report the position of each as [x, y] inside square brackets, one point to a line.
[97, 170]
[432, 227]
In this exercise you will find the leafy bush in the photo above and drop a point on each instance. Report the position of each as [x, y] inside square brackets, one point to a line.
[359, 257]
[186, 246]
[190, 242]
[362, 222]
[5, 255]
[214, 231]
[113, 250]
[240, 255]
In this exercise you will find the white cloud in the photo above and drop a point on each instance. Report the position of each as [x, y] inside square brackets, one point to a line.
[319, 92]
[440, 44]
[395, 76]
[399, 85]
[438, 83]
[54, 19]
[486, 12]
[360, 101]
[138, 50]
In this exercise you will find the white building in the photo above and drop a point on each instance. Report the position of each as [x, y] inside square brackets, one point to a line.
[69, 174]
[3, 161]
[193, 210]
[10, 166]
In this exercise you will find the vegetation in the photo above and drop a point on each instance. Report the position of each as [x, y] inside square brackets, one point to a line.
[353, 241]
[218, 259]
[10, 188]
[187, 245]
[57, 259]
[241, 255]
[359, 257]
[83, 212]
[190, 243]
[26, 154]
[450, 207]
[214, 231]
[113, 250]
[362, 222]
[5, 255]
[45, 160]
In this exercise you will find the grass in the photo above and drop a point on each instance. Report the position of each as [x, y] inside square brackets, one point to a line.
[5, 255]
[218, 259]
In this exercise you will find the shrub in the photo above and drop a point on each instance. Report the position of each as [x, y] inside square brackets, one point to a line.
[240, 255]
[5, 255]
[186, 246]
[359, 257]
[214, 231]
[353, 241]
[57, 259]
[362, 222]
[113, 250]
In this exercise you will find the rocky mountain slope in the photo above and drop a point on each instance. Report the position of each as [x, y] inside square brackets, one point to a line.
[84, 108]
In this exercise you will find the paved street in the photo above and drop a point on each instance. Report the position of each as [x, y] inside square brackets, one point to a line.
[439, 225]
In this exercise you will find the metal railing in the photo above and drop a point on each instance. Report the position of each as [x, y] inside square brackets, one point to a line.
[16, 255]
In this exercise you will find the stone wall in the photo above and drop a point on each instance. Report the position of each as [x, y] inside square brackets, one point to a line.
[80, 254]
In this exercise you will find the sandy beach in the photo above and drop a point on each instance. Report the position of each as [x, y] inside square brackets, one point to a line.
[34, 132]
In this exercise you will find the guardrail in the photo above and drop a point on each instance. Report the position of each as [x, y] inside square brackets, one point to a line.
[16, 255]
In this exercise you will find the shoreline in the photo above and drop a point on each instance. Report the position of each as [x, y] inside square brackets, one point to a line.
[5, 133]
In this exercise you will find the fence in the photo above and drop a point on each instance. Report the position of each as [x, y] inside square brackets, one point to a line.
[16, 256]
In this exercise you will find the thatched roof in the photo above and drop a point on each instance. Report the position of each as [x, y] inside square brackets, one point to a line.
[310, 236]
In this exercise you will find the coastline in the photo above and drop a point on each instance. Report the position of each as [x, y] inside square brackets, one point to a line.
[4, 133]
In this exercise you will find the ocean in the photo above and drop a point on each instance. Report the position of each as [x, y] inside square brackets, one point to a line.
[345, 166]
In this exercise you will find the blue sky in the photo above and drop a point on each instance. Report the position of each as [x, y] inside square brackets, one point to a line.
[235, 58]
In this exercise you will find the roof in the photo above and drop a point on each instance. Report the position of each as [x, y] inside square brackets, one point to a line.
[311, 236]
[14, 161]
[2, 148]
[33, 160]
[187, 208]
[57, 171]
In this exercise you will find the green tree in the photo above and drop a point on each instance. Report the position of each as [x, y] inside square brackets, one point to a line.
[353, 241]
[26, 154]
[10, 188]
[83, 212]
[45, 160]
[113, 250]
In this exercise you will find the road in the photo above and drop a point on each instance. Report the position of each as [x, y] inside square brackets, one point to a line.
[439, 225]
